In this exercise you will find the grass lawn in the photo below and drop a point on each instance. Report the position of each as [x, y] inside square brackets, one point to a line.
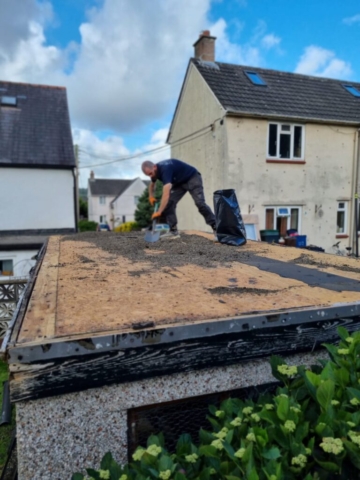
[5, 430]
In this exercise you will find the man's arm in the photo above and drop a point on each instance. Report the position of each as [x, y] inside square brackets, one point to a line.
[152, 199]
[165, 197]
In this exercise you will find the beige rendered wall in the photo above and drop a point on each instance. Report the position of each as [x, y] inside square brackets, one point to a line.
[206, 151]
[323, 180]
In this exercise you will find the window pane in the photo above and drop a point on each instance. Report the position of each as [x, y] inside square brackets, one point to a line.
[294, 218]
[6, 267]
[340, 222]
[297, 142]
[269, 222]
[341, 205]
[272, 140]
[285, 128]
[284, 146]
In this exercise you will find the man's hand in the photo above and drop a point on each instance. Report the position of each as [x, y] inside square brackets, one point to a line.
[155, 215]
[152, 201]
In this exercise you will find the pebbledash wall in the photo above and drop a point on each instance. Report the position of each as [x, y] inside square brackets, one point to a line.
[233, 154]
[60, 435]
[44, 199]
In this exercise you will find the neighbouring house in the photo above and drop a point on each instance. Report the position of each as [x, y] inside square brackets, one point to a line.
[113, 201]
[287, 143]
[37, 171]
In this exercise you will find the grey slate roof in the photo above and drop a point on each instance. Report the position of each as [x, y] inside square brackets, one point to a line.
[286, 95]
[108, 187]
[37, 131]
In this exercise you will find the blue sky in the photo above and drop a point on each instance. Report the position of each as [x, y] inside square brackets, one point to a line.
[123, 61]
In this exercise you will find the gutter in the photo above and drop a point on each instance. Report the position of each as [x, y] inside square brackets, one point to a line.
[76, 202]
[287, 118]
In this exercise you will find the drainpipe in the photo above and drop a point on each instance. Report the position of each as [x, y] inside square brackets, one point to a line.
[355, 192]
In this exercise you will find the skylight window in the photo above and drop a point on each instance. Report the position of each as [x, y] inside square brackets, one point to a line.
[8, 101]
[354, 91]
[255, 78]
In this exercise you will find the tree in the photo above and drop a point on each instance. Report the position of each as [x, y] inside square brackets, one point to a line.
[144, 210]
[83, 208]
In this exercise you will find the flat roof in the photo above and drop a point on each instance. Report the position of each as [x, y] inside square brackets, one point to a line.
[102, 292]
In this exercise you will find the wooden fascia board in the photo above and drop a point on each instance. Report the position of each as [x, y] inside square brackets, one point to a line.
[53, 369]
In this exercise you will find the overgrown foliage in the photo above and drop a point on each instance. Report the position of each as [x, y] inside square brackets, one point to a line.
[87, 226]
[144, 210]
[5, 430]
[308, 430]
[83, 207]
[127, 227]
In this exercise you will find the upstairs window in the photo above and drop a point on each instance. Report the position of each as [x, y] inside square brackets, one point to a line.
[102, 200]
[136, 199]
[8, 101]
[353, 90]
[286, 141]
[255, 78]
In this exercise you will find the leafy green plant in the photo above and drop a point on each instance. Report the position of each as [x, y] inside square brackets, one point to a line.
[308, 430]
[87, 226]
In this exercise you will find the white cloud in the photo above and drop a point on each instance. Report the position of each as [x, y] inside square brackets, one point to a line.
[321, 62]
[352, 20]
[93, 152]
[270, 41]
[226, 51]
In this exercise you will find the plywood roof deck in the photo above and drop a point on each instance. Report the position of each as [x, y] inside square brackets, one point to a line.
[82, 289]
[105, 308]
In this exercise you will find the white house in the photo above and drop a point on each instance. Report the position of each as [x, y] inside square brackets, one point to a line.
[37, 170]
[113, 201]
[287, 143]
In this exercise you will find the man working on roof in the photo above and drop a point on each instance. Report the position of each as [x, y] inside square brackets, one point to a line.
[177, 178]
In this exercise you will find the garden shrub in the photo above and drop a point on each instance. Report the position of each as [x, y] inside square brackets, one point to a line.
[127, 227]
[308, 430]
[87, 226]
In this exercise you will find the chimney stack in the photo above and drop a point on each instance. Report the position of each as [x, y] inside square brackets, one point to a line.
[92, 176]
[205, 47]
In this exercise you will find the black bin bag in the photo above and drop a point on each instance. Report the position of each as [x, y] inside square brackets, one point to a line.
[230, 228]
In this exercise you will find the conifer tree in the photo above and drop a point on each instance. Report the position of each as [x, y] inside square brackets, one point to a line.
[144, 210]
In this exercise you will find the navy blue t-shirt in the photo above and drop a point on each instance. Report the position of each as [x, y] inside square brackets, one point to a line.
[174, 171]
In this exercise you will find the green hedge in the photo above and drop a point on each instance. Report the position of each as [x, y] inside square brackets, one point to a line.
[308, 430]
[87, 226]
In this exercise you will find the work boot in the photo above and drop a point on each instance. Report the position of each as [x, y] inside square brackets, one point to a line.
[171, 235]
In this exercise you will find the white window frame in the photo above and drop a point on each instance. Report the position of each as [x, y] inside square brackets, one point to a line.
[102, 200]
[345, 210]
[292, 136]
[12, 270]
[102, 219]
[275, 207]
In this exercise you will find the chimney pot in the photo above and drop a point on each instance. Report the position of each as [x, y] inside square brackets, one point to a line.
[92, 175]
[205, 47]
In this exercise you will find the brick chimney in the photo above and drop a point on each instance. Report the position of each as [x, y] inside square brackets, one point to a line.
[205, 47]
[92, 176]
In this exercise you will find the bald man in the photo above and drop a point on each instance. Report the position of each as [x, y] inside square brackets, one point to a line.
[178, 178]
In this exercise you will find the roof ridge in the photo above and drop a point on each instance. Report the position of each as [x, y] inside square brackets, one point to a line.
[33, 84]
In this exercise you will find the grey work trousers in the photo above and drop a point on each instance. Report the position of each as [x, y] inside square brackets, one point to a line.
[195, 187]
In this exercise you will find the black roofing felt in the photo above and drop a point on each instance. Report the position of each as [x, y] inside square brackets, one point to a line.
[285, 94]
[108, 187]
[35, 132]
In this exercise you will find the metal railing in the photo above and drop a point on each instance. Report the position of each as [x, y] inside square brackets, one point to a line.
[10, 293]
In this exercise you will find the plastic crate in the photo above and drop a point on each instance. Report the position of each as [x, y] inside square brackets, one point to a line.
[300, 241]
[269, 235]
